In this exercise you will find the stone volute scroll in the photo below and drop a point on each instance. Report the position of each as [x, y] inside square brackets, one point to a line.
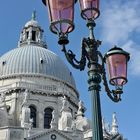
[25, 112]
[65, 121]
[3, 111]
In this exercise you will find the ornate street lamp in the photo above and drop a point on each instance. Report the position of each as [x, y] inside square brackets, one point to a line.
[61, 14]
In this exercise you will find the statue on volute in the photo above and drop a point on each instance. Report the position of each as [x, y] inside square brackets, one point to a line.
[25, 112]
[65, 121]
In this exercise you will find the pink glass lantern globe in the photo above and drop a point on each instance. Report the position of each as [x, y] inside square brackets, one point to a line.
[89, 9]
[116, 60]
[61, 15]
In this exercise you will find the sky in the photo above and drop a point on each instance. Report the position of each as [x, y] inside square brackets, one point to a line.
[118, 24]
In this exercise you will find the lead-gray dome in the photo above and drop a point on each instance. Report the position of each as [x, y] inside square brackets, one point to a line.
[32, 59]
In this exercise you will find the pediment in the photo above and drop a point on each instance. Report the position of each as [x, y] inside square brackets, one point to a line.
[51, 134]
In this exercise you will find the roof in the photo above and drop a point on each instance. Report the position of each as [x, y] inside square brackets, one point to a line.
[32, 59]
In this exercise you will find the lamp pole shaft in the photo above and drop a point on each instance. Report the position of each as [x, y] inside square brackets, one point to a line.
[94, 85]
[94, 88]
[96, 116]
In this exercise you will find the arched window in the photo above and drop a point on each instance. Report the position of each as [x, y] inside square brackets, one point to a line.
[34, 35]
[33, 115]
[27, 34]
[47, 117]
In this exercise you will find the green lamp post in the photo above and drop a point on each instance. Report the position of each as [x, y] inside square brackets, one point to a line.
[61, 15]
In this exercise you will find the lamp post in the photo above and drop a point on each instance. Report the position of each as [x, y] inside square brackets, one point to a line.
[61, 14]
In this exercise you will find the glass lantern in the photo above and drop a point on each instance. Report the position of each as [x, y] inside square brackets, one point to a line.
[116, 59]
[61, 15]
[89, 9]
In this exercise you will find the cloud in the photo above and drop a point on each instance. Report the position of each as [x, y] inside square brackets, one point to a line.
[134, 51]
[119, 20]
[120, 24]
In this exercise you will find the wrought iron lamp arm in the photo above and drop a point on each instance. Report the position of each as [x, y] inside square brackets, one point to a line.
[70, 56]
[114, 95]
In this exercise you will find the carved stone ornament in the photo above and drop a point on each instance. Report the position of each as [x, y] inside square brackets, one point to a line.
[3, 111]
[65, 121]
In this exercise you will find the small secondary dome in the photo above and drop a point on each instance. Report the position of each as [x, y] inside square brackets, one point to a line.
[33, 21]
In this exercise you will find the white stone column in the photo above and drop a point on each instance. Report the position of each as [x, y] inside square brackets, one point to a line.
[40, 115]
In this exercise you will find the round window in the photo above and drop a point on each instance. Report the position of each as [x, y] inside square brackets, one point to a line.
[53, 137]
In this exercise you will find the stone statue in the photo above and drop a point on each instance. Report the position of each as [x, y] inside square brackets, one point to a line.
[82, 123]
[114, 118]
[30, 126]
[26, 96]
[74, 126]
[3, 111]
[25, 113]
[65, 121]
[81, 108]
[53, 121]
[105, 126]
[74, 129]
[64, 104]
[114, 129]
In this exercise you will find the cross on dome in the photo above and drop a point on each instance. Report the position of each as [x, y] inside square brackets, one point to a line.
[34, 15]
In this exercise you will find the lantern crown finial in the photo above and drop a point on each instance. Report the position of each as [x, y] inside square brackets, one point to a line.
[44, 1]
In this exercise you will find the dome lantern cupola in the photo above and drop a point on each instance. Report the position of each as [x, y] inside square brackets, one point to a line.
[32, 33]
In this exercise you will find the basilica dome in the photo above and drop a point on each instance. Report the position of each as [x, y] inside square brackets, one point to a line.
[32, 58]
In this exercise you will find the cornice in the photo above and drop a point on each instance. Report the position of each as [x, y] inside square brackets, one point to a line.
[38, 76]
[18, 88]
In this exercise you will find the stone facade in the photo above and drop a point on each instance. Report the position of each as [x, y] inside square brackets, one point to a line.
[38, 96]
